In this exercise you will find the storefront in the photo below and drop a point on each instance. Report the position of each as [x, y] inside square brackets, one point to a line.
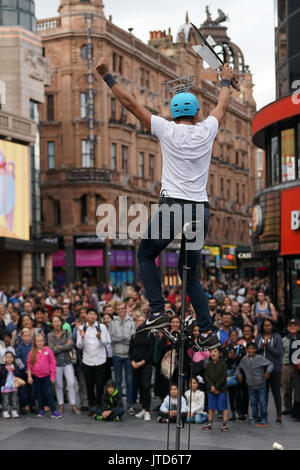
[211, 263]
[290, 246]
[276, 219]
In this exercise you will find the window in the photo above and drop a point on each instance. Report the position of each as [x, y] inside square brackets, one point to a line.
[228, 190]
[141, 164]
[57, 214]
[50, 108]
[212, 184]
[237, 186]
[83, 209]
[51, 155]
[117, 63]
[275, 161]
[142, 77]
[237, 158]
[113, 157]
[85, 51]
[222, 188]
[147, 79]
[83, 105]
[221, 152]
[288, 159]
[243, 193]
[114, 62]
[151, 167]
[124, 158]
[238, 128]
[86, 154]
[120, 65]
[113, 109]
[124, 115]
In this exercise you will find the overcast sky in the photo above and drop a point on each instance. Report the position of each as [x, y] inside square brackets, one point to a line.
[250, 26]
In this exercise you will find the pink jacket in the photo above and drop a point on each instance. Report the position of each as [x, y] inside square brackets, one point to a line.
[45, 364]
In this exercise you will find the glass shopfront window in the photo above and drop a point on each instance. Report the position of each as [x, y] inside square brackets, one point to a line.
[295, 286]
[288, 158]
[275, 169]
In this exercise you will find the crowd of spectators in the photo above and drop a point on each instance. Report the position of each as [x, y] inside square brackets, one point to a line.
[79, 345]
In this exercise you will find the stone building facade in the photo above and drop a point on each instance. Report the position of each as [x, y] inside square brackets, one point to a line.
[24, 258]
[78, 174]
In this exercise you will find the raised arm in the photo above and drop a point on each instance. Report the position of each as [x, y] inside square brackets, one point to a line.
[224, 96]
[127, 100]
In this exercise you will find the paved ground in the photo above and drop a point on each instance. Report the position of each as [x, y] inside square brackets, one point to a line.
[84, 433]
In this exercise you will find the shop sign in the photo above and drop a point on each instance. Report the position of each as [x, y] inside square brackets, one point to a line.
[267, 247]
[290, 221]
[88, 174]
[295, 220]
[245, 255]
[88, 240]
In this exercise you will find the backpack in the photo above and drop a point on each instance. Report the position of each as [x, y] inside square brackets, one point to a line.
[98, 328]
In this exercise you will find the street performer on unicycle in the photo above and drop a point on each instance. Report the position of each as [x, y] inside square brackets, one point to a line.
[186, 145]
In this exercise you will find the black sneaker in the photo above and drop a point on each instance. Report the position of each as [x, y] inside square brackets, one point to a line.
[154, 322]
[210, 342]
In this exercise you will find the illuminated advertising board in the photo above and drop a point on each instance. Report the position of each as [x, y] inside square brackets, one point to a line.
[14, 190]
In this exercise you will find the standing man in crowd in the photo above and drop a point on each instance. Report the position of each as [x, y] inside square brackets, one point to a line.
[186, 145]
[121, 330]
[92, 338]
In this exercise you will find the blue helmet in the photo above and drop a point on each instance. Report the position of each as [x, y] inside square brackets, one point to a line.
[184, 104]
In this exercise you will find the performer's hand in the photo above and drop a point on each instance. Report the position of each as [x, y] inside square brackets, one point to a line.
[102, 67]
[227, 72]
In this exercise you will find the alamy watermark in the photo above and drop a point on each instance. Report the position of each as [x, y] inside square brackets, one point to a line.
[167, 222]
[296, 94]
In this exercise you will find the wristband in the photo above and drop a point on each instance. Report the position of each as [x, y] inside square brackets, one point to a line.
[109, 80]
[225, 82]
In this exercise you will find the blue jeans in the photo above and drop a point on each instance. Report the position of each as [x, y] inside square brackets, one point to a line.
[198, 418]
[116, 412]
[118, 364]
[150, 249]
[258, 401]
[44, 394]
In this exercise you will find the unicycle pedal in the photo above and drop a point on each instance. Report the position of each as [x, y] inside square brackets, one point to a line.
[171, 336]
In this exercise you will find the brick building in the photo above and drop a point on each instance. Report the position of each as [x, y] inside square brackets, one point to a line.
[78, 172]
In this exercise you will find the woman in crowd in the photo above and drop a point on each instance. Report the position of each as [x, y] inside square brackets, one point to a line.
[107, 319]
[248, 335]
[26, 393]
[233, 354]
[25, 322]
[60, 342]
[141, 350]
[269, 345]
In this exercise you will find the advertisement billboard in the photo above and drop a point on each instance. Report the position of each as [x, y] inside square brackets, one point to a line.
[14, 190]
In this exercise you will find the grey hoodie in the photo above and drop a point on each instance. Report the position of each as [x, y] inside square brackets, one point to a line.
[254, 370]
[120, 333]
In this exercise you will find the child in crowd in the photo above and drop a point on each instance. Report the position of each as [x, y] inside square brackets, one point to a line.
[8, 373]
[112, 410]
[195, 403]
[26, 393]
[5, 346]
[168, 408]
[41, 369]
[257, 370]
[216, 377]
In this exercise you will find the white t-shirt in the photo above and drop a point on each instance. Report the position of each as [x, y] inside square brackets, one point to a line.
[186, 151]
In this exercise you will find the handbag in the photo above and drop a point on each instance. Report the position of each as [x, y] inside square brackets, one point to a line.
[18, 382]
[168, 363]
[232, 380]
[73, 356]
